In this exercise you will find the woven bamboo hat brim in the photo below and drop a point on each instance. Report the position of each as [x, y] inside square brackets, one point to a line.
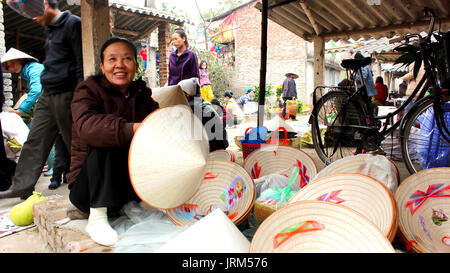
[423, 201]
[214, 233]
[225, 185]
[169, 95]
[362, 193]
[14, 54]
[222, 155]
[168, 156]
[356, 164]
[280, 159]
[291, 74]
[328, 227]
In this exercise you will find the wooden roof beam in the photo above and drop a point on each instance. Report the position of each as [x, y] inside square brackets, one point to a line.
[294, 20]
[349, 13]
[324, 18]
[380, 30]
[297, 12]
[147, 32]
[287, 25]
[310, 16]
[333, 11]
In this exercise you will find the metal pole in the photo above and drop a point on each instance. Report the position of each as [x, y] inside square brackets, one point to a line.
[262, 77]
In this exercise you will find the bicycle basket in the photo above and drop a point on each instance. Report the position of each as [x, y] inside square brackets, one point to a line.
[443, 61]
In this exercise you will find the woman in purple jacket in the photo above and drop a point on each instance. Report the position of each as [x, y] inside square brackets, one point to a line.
[183, 62]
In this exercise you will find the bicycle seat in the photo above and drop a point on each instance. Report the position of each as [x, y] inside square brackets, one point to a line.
[355, 64]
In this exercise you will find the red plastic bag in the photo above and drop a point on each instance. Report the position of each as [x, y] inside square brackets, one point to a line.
[27, 8]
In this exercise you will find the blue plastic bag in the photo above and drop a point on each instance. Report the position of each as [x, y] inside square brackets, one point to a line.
[436, 151]
[255, 136]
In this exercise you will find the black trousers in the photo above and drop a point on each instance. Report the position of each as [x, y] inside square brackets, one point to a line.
[103, 181]
[61, 165]
[7, 169]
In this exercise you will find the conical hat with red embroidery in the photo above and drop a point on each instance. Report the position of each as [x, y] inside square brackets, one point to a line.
[281, 159]
[362, 193]
[318, 227]
[225, 185]
[423, 200]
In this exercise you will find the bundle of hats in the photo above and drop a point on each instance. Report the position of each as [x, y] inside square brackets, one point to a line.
[171, 170]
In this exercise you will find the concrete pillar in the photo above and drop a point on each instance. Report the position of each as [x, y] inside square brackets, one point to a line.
[151, 66]
[95, 31]
[164, 52]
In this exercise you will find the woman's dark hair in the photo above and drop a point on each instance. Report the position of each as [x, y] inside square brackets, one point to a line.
[379, 80]
[203, 62]
[182, 34]
[118, 40]
[228, 94]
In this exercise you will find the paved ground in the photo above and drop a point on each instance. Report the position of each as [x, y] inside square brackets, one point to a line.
[29, 241]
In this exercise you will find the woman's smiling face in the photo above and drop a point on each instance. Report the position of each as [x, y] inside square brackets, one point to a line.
[119, 65]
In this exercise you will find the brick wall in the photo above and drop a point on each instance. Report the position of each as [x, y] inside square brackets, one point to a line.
[163, 41]
[286, 52]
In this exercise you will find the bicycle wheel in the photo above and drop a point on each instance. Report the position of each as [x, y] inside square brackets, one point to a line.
[423, 146]
[336, 139]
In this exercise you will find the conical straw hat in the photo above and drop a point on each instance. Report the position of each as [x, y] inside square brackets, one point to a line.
[168, 156]
[362, 193]
[221, 155]
[326, 226]
[169, 95]
[423, 201]
[214, 233]
[280, 159]
[14, 54]
[226, 185]
[387, 173]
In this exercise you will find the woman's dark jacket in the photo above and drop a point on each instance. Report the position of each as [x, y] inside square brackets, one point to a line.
[103, 117]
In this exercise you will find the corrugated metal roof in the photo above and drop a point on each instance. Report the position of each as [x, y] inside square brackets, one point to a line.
[381, 45]
[130, 22]
[345, 19]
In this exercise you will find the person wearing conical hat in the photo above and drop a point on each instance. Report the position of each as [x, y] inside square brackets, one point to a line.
[29, 69]
[289, 91]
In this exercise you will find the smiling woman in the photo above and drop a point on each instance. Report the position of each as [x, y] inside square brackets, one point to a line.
[119, 63]
[106, 111]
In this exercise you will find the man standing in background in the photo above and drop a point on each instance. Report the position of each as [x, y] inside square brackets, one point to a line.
[63, 71]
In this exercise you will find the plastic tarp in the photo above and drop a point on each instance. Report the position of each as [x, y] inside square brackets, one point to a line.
[143, 229]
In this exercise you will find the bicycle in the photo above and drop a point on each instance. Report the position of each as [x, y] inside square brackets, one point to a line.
[343, 122]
